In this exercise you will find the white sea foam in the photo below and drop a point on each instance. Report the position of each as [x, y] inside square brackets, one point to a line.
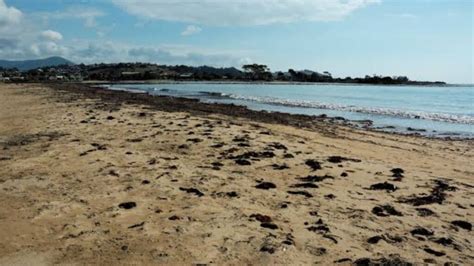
[453, 118]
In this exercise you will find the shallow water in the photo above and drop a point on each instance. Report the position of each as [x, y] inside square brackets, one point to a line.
[439, 111]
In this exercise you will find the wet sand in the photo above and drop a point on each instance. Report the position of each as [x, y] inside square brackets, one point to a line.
[89, 176]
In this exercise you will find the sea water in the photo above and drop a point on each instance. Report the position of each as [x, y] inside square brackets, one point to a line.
[429, 110]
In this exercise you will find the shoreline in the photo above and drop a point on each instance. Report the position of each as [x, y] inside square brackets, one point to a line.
[264, 83]
[340, 121]
[94, 176]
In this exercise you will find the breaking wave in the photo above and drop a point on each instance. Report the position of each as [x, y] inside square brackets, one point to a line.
[452, 118]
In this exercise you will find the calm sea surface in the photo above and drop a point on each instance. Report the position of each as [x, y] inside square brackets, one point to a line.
[441, 111]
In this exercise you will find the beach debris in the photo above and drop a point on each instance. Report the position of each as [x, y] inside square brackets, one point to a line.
[137, 225]
[313, 164]
[271, 226]
[232, 194]
[280, 166]
[462, 224]
[194, 140]
[261, 218]
[278, 146]
[340, 159]
[304, 193]
[192, 191]
[423, 212]
[374, 239]
[421, 231]
[437, 195]
[242, 162]
[305, 185]
[393, 260]
[174, 218]
[265, 185]
[434, 252]
[330, 196]
[127, 205]
[315, 178]
[383, 186]
[385, 210]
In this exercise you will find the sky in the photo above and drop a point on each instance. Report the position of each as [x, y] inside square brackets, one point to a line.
[422, 39]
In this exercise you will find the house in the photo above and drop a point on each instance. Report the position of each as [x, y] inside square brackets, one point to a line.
[186, 75]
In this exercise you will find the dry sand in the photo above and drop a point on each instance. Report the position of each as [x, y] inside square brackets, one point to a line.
[88, 181]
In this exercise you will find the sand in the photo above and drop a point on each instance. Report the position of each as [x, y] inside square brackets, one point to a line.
[85, 180]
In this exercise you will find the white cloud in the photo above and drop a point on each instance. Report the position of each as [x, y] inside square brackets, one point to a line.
[242, 12]
[9, 15]
[89, 15]
[51, 35]
[190, 30]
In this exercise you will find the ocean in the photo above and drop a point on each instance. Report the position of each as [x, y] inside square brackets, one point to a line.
[428, 110]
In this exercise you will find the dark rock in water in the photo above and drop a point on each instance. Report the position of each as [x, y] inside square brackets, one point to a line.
[462, 224]
[110, 117]
[192, 190]
[242, 162]
[416, 129]
[288, 156]
[280, 167]
[261, 218]
[305, 185]
[313, 164]
[315, 178]
[265, 185]
[437, 195]
[383, 186]
[340, 159]
[145, 182]
[304, 193]
[374, 239]
[434, 252]
[128, 205]
[394, 261]
[269, 226]
[313, 213]
[423, 212]
[385, 210]
[344, 174]
[421, 231]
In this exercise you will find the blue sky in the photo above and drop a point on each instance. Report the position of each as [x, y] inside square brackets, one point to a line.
[421, 39]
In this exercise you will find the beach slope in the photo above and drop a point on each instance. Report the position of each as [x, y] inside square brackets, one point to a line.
[94, 177]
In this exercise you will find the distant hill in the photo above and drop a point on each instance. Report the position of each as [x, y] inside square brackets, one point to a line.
[32, 64]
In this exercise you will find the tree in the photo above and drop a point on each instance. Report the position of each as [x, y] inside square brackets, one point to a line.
[257, 71]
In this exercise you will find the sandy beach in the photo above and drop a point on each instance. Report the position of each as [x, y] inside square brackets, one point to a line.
[89, 176]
